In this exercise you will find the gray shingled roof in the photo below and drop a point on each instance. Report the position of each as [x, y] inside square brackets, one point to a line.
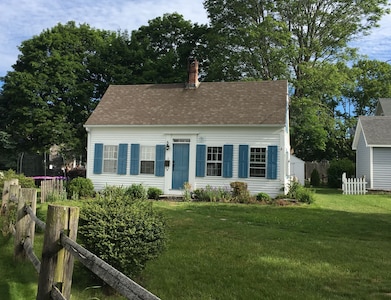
[384, 107]
[377, 130]
[212, 103]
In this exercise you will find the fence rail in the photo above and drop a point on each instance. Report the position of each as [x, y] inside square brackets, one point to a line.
[353, 186]
[59, 250]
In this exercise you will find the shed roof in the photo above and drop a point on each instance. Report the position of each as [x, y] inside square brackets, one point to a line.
[376, 130]
[212, 103]
[383, 107]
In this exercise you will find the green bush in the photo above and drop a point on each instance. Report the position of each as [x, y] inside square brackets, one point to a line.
[263, 197]
[124, 232]
[154, 193]
[336, 169]
[136, 191]
[300, 193]
[80, 187]
[24, 182]
[315, 178]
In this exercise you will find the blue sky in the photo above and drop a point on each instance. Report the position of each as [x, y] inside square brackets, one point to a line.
[22, 19]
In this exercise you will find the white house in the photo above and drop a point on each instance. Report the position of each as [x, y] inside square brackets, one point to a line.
[372, 142]
[209, 133]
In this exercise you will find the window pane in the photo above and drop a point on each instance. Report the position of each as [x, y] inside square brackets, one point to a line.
[258, 162]
[147, 159]
[147, 167]
[214, 161]
[213, 169]
[110, 156]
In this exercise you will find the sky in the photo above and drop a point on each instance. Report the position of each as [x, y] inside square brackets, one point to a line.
[22, 19]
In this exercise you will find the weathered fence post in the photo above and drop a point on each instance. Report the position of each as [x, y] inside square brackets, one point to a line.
[25, 226]
[6, 193]
[57, 264]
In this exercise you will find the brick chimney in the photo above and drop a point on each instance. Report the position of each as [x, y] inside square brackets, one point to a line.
[192, 71]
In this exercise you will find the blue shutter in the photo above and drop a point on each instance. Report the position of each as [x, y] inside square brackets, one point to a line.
[243, 161]
[134, 159]
[98, 158]
[227, 160]
[159, 161]
[272, 162]
[200, 160]
[122, 159]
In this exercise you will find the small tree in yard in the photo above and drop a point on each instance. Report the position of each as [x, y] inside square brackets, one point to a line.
[124, 232]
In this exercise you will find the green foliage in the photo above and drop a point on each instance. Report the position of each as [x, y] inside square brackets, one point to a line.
[300, 193]
[24, 182]
[263, 197]
[162, 48]
[315, 178]
[210, 194]
[80, 187]
[373, 82]
[336, 169]
[124, 232]
[154, 193]
[55, 85]
[136, 191]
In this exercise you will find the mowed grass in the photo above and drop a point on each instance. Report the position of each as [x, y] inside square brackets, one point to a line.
[337, 248]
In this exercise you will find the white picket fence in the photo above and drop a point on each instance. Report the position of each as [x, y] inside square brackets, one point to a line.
[353, 186]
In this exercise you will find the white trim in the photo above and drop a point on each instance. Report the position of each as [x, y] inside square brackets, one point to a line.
[181, 126]
[371, 167]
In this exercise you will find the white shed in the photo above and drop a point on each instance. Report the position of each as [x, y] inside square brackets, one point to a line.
[297, 169]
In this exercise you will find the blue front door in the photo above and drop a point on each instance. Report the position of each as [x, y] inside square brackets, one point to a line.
[180, 166]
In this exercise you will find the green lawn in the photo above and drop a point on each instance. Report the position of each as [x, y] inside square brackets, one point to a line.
[337, 248]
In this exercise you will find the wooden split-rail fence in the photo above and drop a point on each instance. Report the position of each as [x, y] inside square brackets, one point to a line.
[59, 247]
[353, 186]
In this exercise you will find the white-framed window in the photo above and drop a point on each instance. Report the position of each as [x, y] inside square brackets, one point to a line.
[257, 162]
[147, 160]
[214, 161]
[110, 159]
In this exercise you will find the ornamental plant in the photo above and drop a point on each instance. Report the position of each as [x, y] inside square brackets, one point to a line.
[80, 187]
[124, 232]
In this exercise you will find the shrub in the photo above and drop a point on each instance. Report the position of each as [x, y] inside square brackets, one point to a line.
[80, 187]
[240, 192]
[210, 194]
[154, 193]
[136, 191]
[300, 193]
[315, 178]
[337, 167]
[24, 182]
[263, 197]
[124, 232]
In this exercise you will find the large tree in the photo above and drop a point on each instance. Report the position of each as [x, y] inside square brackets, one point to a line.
[370, 80]
[62, 74]
[51, 90]
[305, 42]
[161, 49]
